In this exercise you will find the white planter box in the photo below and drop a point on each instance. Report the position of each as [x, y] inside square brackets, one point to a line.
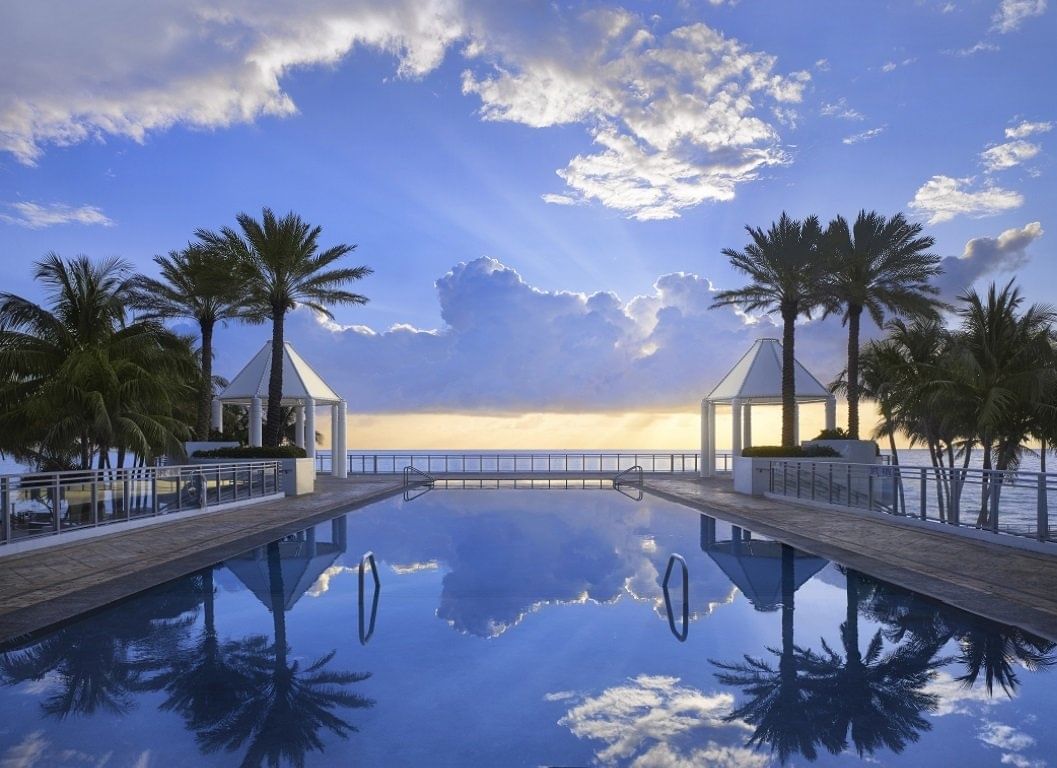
[851, 451]
[298, 475]
[752, 476]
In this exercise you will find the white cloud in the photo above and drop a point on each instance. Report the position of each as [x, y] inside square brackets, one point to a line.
[554, 199]
[503, 342]
[840, 109]
[1025, 128]
[673, 117]
[187, 63]
[652, 720]
[822, 65]
[954, 698]
[1020, 761]
[888, 66]
[980, 47]
[1004, 737]
[1008, 155]
[988, 255]
[942, 198]
[1011, 14]
[38, 216]
[857, 138]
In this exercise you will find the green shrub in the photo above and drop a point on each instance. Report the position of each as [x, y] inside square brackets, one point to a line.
[833, 434]
[247, 452]
[796, 452]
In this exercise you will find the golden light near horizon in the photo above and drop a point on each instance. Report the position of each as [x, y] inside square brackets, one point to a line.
[644, 430]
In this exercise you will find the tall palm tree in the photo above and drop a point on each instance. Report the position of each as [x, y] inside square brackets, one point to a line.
[201, 283]
[82, 376]
[286, 269]
[879, 266]
[1005, 364]
[784, 265]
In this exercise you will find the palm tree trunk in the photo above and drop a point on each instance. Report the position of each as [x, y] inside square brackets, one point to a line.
[275, 583]
[851, 616]
[273, 428]
[981, 520]
[789, 313]
[1042, 455]
[205, 392]
[788, 595]
[210, 617]
[854, 314]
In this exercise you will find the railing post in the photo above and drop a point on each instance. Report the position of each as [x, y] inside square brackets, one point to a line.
[56, 504]
[869, 489]
[813, 467]
[1042, 509]
[155, 502]
[798, 479]
[830, 482]
[5, 510]
[924, 493]
[993, 490]
[218, 485]
[95, 499]
[847, 488]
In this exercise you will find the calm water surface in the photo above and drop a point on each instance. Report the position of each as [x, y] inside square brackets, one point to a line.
[527, 627]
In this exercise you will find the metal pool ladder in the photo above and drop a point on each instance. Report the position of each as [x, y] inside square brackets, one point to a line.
[414, 472]
[367, 627]
[682, 632]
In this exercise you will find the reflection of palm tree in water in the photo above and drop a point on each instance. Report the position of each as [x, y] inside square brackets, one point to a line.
[986, 648]
[780, 706]
[283, 706]
[875, 698]
[93, 659]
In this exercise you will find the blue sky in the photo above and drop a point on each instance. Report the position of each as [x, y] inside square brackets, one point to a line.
[558, 151]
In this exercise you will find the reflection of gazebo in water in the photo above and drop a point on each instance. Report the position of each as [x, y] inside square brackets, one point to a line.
[303, 560]
[755, 565]
[303, 389]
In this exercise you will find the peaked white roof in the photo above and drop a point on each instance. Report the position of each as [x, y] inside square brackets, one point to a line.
[300, 382]
[758, 377]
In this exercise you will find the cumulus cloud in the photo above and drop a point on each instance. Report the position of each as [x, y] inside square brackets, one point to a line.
[507, 345]
[942, 198]
[988, 255]
[1011, 14]
[1004, 737]
[129, 70]
[1026, 128]
[38, 216]
[983, 46]
[1008, 155]
[858, 138]
[673, 117]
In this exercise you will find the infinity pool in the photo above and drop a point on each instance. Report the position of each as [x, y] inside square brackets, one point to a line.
[527, 628]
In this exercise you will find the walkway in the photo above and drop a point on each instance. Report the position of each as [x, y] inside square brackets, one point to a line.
[1010, 585]
[44, 587]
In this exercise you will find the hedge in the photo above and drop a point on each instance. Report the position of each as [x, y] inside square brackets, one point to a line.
[795, 452]
[248, 452]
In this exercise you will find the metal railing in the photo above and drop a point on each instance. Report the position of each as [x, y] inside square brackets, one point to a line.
[53, 503]
[1000, 501]
[624, 476]
[500, 461]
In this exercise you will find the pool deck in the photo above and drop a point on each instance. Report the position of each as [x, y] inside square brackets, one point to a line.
[44, 587]
[1001, 582]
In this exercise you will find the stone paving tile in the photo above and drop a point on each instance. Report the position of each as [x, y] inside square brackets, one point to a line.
[1011, 585]
[44, 587]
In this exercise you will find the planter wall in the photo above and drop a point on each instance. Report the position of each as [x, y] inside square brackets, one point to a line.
[298, 475]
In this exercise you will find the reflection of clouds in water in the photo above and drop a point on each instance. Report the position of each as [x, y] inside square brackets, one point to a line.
[507, 556]
[34, 751]
[954, 698]
[46, 684]
[653, 721]
[322, 584]
[429, 565]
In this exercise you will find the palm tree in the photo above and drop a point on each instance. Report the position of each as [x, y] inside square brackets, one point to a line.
[286, 269]
[780, 706]
[1005, 365]
[881, 266]
[201, 283]
[784, 266]
[82, 377]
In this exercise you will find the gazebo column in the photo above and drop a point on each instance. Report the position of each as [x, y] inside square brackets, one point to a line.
[831, 413]
[256, 423]
[703, 469]
[299, 425]
[746, 420]
[216, 416]
[735, 428]
[310, 428]
[711, 458]
[339, 464]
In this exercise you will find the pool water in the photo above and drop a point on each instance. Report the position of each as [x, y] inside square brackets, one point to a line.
[527, 628]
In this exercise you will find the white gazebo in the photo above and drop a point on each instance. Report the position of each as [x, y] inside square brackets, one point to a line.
[303, 388]
[756, 379]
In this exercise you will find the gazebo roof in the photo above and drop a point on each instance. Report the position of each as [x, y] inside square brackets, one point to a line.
[757, 377]
[755, 567]
[300, 382]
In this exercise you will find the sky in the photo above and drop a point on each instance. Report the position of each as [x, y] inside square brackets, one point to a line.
[543, 190]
